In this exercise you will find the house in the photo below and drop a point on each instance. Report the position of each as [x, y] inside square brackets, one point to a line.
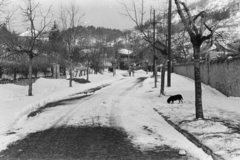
[126, 58]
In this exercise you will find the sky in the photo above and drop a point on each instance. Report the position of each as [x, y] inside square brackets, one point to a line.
[99, 13]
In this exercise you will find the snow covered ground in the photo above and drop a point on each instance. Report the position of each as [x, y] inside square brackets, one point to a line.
[220, 130]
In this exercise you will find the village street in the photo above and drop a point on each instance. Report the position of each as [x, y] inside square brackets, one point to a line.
[116, 117]
[122, 106]
[67, 93]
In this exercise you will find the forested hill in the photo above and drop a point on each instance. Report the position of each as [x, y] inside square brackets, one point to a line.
[100, 32]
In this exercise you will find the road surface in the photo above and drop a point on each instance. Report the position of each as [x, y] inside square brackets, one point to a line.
[95, 124]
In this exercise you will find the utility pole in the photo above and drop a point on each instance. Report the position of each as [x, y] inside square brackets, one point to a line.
[154, 50]
[114, 62]
[128, 52]
[152, 69]
[169, 44]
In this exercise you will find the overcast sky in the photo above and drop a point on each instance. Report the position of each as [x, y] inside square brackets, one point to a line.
[99, 13]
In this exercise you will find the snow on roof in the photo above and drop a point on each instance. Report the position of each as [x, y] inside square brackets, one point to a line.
[27, 33]
[125, 51]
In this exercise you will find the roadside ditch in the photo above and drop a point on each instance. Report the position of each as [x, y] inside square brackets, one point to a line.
[191, 137]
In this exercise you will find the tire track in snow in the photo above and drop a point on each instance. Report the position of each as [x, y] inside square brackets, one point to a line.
[115, 118]
[64, 119]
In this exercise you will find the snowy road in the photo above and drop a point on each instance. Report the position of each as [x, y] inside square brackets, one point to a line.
[124, 105]
[128, 104]
[101, 108]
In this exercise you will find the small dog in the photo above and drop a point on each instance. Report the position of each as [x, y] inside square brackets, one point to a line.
[175, 98]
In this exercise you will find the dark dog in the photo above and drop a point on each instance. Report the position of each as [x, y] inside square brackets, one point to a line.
[175, 98]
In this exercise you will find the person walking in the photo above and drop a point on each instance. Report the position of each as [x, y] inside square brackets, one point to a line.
[129, 71]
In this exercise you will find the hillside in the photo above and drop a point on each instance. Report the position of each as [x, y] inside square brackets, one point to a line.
[211, 5]
[225, 14]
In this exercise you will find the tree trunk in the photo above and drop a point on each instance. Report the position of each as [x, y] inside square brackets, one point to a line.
[146, 68]
[208, 69]
[153, 67]
[162, 90]
[30, 75]
[198, 88]
[155, 73]
[88, 70]
[118, 61]
[52, 71]
[70, 74]
[14, 73]
[114, 68]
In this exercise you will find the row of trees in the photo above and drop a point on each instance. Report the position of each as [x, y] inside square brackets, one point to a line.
[72, 44]
[69, 44]
[193, 29]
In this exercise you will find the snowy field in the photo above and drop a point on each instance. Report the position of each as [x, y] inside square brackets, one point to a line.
[220, 130]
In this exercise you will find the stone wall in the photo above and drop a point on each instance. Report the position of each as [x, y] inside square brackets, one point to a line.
[223, 76]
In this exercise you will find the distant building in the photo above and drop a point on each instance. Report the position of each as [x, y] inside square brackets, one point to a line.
[43, 36]
[126, 58]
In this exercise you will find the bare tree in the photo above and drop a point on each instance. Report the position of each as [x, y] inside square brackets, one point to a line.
[180, 41]
[138, 15]
[199, 32]
[97, 59]
[31, 43]
[70, 17]
[5, 17]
